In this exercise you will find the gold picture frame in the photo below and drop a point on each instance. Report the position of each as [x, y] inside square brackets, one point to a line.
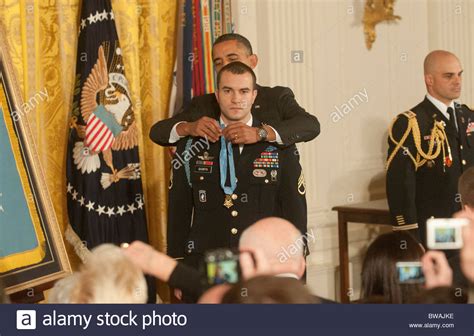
[32, 251]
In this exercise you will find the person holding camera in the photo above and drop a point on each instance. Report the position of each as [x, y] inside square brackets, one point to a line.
[252, 262]
[271, 246]
[438, 273]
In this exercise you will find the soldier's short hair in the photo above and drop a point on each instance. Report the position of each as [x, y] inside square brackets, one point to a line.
[466, 187]
[237, 68]
[235, 37]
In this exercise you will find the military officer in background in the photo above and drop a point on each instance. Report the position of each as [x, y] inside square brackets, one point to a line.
[429, 148]
[219, 189]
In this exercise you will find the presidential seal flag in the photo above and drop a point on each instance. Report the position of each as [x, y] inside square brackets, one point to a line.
[104, 187]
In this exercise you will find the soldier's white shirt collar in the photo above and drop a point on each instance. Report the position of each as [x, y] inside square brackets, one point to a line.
[248, 123]
[440, 105]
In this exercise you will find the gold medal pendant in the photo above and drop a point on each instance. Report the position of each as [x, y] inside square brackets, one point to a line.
[228, 201]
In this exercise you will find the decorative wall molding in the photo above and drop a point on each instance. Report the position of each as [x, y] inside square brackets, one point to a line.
[451, 29]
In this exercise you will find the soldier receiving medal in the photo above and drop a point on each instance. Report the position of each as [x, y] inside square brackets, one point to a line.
[222, 188]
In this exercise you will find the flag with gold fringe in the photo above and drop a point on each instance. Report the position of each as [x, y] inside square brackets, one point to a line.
[104, 187]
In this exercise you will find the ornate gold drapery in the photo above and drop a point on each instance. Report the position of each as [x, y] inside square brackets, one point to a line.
[42, 37]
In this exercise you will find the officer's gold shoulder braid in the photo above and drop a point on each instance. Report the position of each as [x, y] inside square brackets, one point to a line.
[438, 136]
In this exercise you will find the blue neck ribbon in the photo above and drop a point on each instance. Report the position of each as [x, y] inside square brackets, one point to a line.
[226, 159]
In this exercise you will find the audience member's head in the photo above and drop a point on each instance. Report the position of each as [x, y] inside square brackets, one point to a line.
[379, 274]
[440, 295]
[3, 296]
[273, 236]
[466, 189]
[108, 276]
[269, 289]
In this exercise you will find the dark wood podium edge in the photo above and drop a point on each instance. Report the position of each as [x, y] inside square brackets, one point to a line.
[353, 214]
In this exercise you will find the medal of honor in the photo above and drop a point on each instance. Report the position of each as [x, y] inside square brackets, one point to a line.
[228, 201]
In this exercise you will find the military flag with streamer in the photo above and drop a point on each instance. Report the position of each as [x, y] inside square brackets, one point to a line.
[202, 22]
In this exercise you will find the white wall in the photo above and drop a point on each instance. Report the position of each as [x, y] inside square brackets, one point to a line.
[451, 27]
[346, 162]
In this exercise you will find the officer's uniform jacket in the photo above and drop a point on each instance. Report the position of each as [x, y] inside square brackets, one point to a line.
[270, 183]
[417, 192]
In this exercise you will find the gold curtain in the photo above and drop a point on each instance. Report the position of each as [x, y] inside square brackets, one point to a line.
[42, 37]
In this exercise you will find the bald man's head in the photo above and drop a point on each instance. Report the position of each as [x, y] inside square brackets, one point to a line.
[443, 75]
[273, 236]
[435, 58]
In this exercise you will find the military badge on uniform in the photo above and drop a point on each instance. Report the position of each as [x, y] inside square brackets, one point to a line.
[228, 203]
[400, 220]
[448, 161]
[470, 128]
[267, 159]
[273, 174]
[259, 172]
[203, 169]
[270, 149]
[202, 196]
[205, 157]
[204, 164]
[301, 184]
